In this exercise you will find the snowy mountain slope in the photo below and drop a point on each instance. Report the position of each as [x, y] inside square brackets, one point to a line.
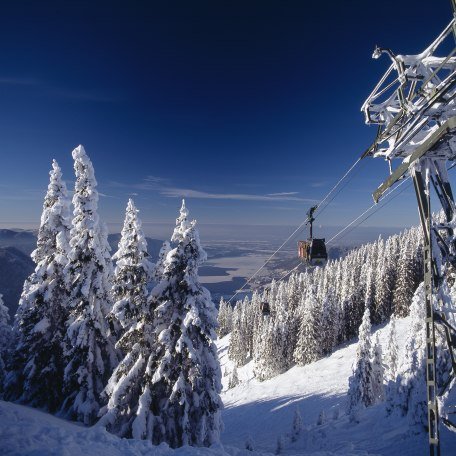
[265, 410]
[25, 431]
[262, 410]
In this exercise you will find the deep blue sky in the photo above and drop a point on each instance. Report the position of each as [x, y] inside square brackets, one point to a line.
[224, 102]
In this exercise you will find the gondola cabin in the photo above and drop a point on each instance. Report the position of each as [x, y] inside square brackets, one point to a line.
[265, 309]
[313, 251]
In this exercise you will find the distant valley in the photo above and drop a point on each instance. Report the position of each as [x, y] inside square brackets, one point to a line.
[229, 263]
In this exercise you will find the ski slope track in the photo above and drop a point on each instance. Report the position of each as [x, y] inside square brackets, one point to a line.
[260, 411]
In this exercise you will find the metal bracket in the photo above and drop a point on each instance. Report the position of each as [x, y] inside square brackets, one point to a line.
[424, 149]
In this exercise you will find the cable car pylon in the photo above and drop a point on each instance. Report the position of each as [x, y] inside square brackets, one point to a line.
[416, 116]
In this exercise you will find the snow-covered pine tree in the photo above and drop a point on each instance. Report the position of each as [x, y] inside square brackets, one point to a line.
[286, 329]
[392, 352]
[408, 395]
[406, 279]
[377, 371]
[264, 354]
[128, 389]
[6, 336]
[157, 272]
[309, 347]
[224, 318]
[132, 273]
[370, 289]
[186, 382]
[360, 391]
[293, 292]
[269, 360]
[90, 356]
[329, 324]
[36, 367]
[234, 378]
[254, 318]
[247, 318]
[384, 284]
[238, 349]
[294, 295]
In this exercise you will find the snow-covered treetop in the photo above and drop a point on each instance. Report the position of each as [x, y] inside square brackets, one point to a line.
[55, 219]
[365, 332]
[185, 234]
[182, 224]
[88, 236]
[85, 199]
[132, 245]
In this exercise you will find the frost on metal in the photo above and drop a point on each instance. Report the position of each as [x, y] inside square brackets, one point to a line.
[413, 98]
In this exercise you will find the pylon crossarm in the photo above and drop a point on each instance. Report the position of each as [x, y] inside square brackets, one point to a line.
[430, 147]
[416, 94]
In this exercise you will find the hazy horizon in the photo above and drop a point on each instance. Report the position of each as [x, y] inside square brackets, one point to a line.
[273, 234]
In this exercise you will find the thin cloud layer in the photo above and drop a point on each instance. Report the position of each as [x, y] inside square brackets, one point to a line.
[165, 188]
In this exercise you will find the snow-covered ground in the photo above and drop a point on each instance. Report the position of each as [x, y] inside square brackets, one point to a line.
[262, 410]
[265, 410]
[28, 432]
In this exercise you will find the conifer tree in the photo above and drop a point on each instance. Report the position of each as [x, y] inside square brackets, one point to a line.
[234, 379]
[392, 353]
[36, 367]
[128, 390]
[247, 318]
[385, 282]
[253, 320]
[309, 347]
[264, 350]
[377, 371]
[132, 273]
[238, 349]
[405, 284]
[223, 319]
[360, 384]
[89, 351]
[329, 324]
[186, 380]
[409, 396]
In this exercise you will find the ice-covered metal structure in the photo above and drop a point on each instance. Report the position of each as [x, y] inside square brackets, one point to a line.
[413, 98]
[414, 107]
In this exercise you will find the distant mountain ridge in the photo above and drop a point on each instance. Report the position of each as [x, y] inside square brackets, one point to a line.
[23, 240]
[16, 264]
[15, 267]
